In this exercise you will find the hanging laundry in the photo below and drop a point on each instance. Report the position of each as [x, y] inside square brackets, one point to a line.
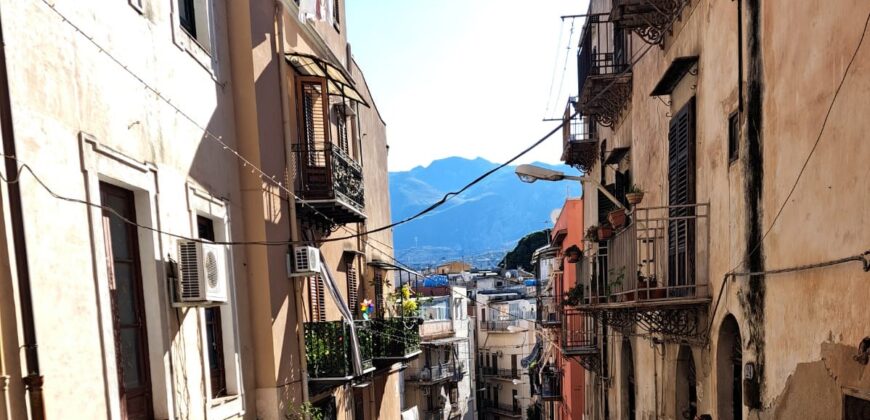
[319, 10]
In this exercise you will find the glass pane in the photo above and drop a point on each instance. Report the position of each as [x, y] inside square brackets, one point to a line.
[131, 358]
[119, 232]
[212, 334]
[124, 294]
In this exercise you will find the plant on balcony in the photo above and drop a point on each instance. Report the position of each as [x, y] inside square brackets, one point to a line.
[634, 195]
[326, 349]
[614, 280]
[404, 302]
[605, 231]
[305, 411]
[617, 218]
[574, 296]
[592, 233]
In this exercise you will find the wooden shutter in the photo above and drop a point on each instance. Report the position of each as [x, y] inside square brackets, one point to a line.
[312, 102]
[352, 286]
[317, 297]
[681, 192]
[379, 294]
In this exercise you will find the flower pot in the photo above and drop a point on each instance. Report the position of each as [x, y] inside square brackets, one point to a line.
[617, 218]
[604, 233]
[634, 198]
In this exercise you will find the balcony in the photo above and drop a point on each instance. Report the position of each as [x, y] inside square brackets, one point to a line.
[501, 409]
[395, 339]
[493, 372]
[436, 328]
[659, 259]
[329, 352]
[503, 326]
[329, 184]
[550, 312]
[578, 333]
[649, 19]
[604, 70]
[551, 385]
[429, 375]
[579, 143]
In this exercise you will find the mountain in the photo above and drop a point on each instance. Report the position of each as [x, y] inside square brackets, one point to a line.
[479, 225]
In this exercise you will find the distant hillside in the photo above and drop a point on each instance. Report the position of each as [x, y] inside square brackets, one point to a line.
[481, 224]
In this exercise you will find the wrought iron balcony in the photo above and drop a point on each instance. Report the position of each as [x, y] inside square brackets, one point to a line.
[579, 142]
[659, 258]
[502, 409]
[551, 385]
[500, 373]
[650, 19]
[429, 375]
[550, 314]
[604, 70]
[329, 349]
[329, 184]
[395, 338]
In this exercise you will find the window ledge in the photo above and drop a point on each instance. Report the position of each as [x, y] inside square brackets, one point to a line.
[189, 44]
[226, 407]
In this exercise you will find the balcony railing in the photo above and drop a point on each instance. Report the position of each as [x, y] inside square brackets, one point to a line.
[330, 181]
[579, 143]
[550, 313]
[395, 338]
[329, 352]
[500, 372]
[551, 385]
[503, 325]
[512, 410]
[434, 373]
[650, 19]
[436, 328]
[661, 257]
[603, 67]
[578, 333]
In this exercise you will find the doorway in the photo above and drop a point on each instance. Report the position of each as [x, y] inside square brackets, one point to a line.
[729, 369]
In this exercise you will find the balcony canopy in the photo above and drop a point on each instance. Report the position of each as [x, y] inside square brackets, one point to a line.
[338, 84]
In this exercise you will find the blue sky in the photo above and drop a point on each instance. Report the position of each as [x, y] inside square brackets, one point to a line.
[470, 78]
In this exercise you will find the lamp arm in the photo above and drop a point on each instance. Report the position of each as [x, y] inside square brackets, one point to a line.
[603, 190]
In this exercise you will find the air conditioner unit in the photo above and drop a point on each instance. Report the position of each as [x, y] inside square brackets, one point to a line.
[305, 261]
[202, 273]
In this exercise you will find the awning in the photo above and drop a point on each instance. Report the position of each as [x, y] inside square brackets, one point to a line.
[338, 84]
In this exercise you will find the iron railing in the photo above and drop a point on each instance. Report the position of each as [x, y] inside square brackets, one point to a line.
[395, 338]
[500, 372]
[550, 314]
[434, 373]
[578, 332]
[502, 325]
[605, 49]
[661, 255]
[325, 172]
[551, 384]
[650, 19]
[328, 348]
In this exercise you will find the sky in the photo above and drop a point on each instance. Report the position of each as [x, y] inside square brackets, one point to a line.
[469, 78]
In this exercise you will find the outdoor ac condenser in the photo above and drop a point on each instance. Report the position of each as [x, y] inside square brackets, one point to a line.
[202, 276]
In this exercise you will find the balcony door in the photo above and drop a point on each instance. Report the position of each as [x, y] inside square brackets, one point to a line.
[128, 302]
[681, 195]
[313, 151]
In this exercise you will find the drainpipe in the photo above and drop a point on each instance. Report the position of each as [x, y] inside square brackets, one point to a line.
[291, 205]
[33, 381]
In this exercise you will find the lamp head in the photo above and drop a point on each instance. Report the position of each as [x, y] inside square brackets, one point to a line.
[531, 173]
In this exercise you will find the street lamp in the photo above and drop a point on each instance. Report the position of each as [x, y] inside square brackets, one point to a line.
[532, 173]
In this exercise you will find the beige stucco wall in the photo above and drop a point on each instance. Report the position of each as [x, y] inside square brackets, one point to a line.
[64, 87]
[811, 320]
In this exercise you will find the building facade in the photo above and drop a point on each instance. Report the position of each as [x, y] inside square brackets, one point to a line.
[732, 287]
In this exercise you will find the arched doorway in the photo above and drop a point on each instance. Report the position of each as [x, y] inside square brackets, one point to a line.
[686, 386]
[628, 379]
[729, 369]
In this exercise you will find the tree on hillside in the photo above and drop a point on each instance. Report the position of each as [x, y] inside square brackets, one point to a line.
[521, 255]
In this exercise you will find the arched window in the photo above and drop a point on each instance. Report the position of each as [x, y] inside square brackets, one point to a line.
[628, 379]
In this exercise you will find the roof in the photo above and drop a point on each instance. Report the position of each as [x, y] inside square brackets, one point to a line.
[678, 68]
[338, 83]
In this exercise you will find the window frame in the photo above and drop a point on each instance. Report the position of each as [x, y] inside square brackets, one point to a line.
[213, 325]
[205, 55]
[733, 137]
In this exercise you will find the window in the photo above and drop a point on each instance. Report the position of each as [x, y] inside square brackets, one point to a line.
[195, 21]
[342, 129]
[187, 17]
[733, 137]
[681, 193]
[213, 326]
[128, 302]
[855, 408]
[379, 294]
[336, 14]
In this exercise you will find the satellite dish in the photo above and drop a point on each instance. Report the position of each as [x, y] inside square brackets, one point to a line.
[554, 215]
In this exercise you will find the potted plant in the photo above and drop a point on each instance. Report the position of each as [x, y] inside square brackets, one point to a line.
[592, 233]
[605, 231]
[634, 195]
[617, 218]
[573, 254]
[574, 296]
